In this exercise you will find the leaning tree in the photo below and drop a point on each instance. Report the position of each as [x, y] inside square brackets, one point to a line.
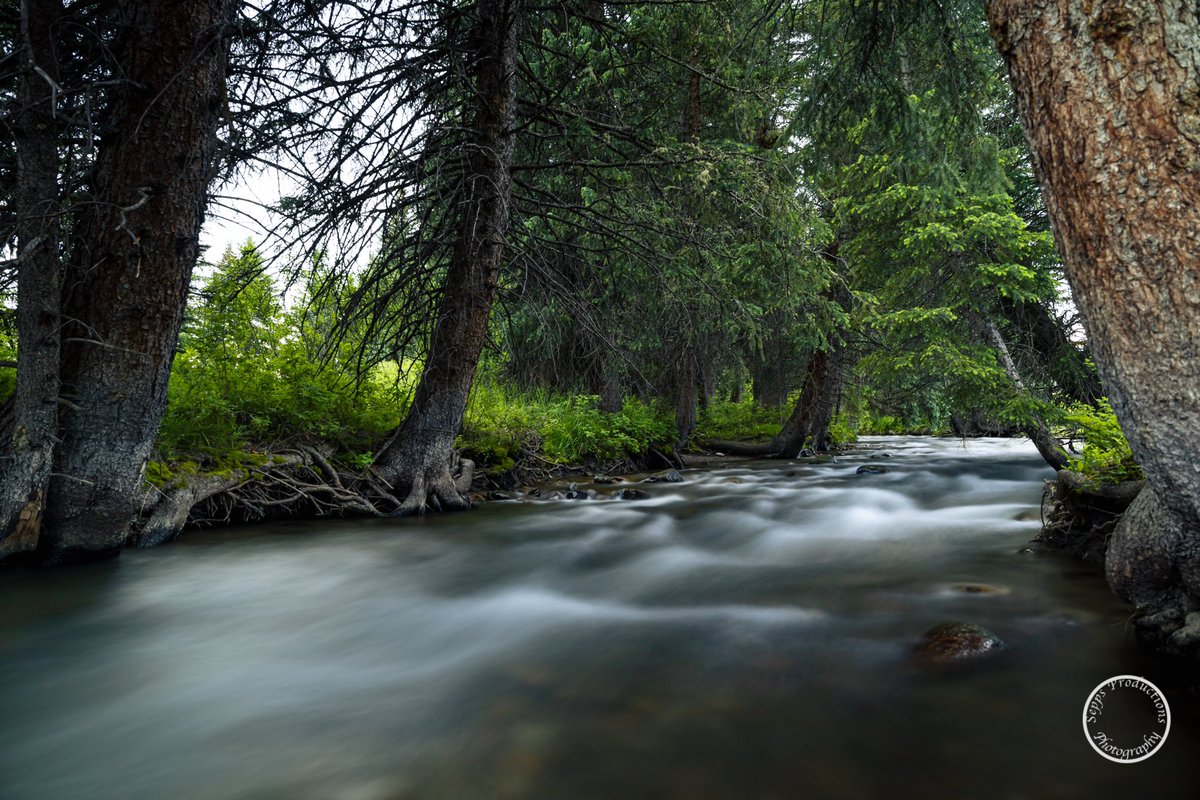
[1109, 101]
[114, 130]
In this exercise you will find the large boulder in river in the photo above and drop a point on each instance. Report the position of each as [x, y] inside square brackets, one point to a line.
[666, 476]
[1155, 565]
[952, 642]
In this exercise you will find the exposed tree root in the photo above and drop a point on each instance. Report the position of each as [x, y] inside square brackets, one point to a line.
[770, 449]
[437, 487]
[1079, 518]
[304, 482]
[300, 482]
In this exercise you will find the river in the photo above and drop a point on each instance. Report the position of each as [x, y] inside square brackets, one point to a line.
[745, 634]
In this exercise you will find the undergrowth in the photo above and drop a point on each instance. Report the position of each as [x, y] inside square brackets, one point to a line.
[1106, 456]
[501, 425]
[745, 419]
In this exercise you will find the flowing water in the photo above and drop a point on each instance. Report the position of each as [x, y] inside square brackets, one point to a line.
[745, 634]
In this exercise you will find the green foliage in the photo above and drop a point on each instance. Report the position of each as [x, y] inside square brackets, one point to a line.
[245, 376]
[8, 346]
[8, 383]
[841, 431]
[1106, 456]
[745, 420]
[502, 425]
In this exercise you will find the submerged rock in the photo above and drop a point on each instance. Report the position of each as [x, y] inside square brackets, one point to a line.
[977, 588]
[871, 469]
[605, 480]
[666, 476]
[632, 494]
[952, 642]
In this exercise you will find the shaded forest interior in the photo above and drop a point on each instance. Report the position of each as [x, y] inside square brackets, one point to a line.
[511, 237]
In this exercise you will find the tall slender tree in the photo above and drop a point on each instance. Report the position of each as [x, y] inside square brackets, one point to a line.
[418, 457]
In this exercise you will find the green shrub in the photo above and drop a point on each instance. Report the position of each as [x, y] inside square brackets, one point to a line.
[245, 376]
[1106, 455]
[841, 431]
[501, 424]
[744, 420]
[8, 352]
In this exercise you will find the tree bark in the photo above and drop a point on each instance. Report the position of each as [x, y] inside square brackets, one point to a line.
[813, 413]
[418, 457]
[827, 400]
[135, 248]
[612, 397]
[796, 431]
[28, 459]
[685, 404]
[1107, 93]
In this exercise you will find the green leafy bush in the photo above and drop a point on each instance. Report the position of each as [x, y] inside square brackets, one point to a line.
[1106, 455]
[8, 352]
[841, 431]
[245, 376]
[744, 420]
[501, 424]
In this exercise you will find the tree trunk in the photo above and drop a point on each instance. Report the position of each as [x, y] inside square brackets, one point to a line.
[814, 409]
[691, 118]
[796, 431]
[1067, 365]
[33, 422]
[1038, 431]
[1108, 100]
[418, 457]
[685, 405]
[612, 398]
[827, 400]
[133, 257]
[769, 384]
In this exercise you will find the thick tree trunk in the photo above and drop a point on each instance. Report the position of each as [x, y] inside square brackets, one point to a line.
[827, 400]
[28, 458]
[685, 404]
[813, 413]
[796, 431]
[1108, 99]
[131, 267]
[418, 458]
